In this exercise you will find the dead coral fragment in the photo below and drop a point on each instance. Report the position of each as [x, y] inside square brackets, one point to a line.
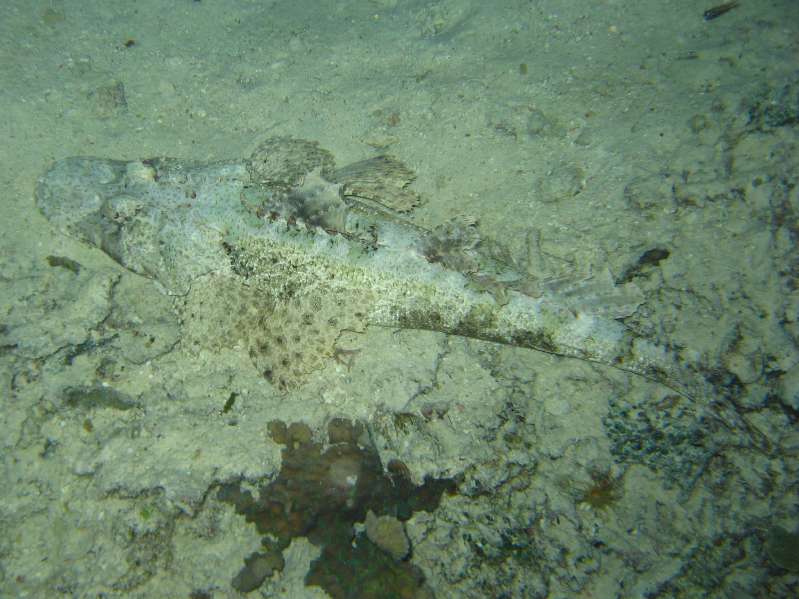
[388, 533]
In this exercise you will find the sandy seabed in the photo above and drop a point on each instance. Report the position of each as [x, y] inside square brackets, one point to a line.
[639, 137]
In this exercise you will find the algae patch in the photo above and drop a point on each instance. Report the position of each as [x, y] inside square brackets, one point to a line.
[97, 396]
[321, 493]
[782, 548]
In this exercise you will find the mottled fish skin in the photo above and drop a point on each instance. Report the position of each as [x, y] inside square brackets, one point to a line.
[189, 224]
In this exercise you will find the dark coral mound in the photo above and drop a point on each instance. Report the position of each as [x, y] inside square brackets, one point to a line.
[320, 494]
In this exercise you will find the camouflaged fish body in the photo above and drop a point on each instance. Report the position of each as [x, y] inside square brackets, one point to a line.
[282, 252]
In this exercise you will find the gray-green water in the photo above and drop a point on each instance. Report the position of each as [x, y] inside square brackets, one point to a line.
[636, 139]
